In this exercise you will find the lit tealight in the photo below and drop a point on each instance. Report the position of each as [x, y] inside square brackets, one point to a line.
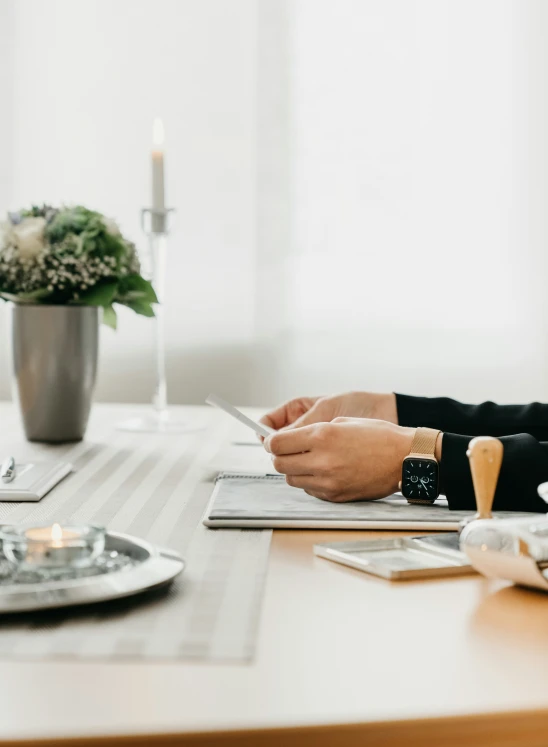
[50, 547]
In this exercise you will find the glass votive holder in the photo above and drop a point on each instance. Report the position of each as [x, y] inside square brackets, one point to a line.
[50, 548]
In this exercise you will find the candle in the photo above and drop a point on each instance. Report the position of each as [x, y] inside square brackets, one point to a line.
[55, 535]
[51, 547]
[158, 179]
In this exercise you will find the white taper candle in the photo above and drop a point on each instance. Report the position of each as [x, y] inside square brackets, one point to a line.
[158, 177]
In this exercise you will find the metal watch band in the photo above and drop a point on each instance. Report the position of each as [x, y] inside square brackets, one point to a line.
[424, 444]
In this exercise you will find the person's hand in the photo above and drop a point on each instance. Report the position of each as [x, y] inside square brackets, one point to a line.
[348, 459]
[308, 410]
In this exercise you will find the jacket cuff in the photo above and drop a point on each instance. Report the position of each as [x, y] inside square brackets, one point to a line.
[455, 476]
[414, 412]
[524, 466]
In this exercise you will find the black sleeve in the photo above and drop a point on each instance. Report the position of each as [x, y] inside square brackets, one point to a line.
[524, 467]
[525, 461]
[487, 419]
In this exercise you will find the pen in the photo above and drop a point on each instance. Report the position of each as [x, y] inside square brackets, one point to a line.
[7, 470]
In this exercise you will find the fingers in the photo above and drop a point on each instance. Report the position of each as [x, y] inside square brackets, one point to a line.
[293, 441]
[318, 487]
[311, 484]
[276, 418]
[320, 412]
[288, 413]
[295, 464]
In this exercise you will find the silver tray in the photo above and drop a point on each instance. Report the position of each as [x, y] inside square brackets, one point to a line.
[399, 559]
[156, 567]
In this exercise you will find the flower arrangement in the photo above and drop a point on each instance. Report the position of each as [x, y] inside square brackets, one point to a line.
[71, 255]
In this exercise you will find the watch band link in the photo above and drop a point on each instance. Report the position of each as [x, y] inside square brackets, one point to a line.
[424, 442]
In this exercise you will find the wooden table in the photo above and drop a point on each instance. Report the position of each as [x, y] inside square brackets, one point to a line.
[343, 658]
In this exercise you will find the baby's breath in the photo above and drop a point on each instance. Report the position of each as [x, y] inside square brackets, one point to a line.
[58, 256]
[57, 267]
[68, 272]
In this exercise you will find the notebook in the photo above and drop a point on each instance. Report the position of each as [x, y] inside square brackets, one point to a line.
[33, 480]
[267, 501]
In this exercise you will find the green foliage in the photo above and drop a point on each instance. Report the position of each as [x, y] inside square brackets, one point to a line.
[71, 255]
[109, 317]
[136, 288]
[101, 294]
[141, 307]
[74, 220]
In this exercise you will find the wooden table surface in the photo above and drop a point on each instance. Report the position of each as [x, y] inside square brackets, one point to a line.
[343, 658]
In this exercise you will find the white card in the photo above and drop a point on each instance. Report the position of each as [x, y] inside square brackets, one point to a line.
[259, 428]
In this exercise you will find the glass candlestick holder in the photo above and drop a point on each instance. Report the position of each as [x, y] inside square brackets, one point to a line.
[50, 549]
[156, 225]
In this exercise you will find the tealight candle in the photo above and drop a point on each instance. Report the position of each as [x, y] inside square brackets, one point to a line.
[50, 547]
[54, 535]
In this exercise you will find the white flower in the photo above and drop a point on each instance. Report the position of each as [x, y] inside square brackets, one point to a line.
[7, 237]
[111, 226]
[29, 237]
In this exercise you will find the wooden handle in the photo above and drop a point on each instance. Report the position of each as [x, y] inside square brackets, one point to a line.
[485, 456]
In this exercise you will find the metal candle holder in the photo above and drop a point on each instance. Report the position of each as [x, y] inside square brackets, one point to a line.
[156, 225]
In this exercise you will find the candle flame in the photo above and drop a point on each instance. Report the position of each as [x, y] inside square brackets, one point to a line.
[56, 533]
[158, 134]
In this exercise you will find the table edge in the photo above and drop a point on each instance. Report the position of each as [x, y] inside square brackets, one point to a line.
[527, 727]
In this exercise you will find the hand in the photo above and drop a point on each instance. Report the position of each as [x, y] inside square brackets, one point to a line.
[348, 459]
[308, 410]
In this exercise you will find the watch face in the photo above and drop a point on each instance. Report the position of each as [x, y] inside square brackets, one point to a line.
[419, 478]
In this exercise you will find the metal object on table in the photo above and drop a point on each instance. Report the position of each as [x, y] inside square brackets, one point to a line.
[400, 559]
[55, 363]
[155, 567]
[7, 470]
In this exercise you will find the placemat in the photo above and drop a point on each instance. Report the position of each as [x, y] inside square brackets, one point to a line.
[150, 487]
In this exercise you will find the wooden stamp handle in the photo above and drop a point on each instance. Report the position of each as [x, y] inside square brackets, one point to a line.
[485, 456]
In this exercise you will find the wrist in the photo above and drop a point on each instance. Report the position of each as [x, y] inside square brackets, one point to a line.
[402, 450]
[386, 408]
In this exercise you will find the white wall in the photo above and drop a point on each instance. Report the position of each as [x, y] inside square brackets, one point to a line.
[361, 184]
[414, 264]
[89, 76]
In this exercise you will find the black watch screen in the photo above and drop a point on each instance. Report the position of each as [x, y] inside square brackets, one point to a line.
[420, 478]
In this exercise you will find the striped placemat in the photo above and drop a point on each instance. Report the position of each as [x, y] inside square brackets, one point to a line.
[151, 486]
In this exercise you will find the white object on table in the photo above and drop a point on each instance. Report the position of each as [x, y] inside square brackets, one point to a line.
[34, 480]
[262, 430]
[260, 501]
[7, 470]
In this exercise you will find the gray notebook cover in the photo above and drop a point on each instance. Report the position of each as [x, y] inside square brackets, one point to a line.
[267, 501]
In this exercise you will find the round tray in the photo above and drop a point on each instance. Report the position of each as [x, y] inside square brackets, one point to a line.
[156, 567]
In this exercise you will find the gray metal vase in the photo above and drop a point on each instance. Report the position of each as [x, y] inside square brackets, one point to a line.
[55, 360]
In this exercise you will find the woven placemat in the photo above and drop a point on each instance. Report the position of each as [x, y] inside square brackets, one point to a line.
[150, 487]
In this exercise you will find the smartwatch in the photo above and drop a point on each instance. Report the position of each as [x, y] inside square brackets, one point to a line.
[420, 470]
